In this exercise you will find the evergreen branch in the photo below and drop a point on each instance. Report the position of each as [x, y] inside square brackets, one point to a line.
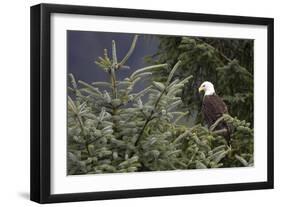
[244, 70]
[72, 105]
[106, 55]
[192, 157]
[184, 81]
[215, 49]
[216, 123]
[181, 136]
[72, 81]
[114, 54]
[150, 117]
[173, 72]
[164, 90]
[141, 75]
[147, 69]
[173, 105]
[129, 53]
[79, 119]
[175, 82]
[180, 117]
[90, 87]
[242, 160]
[113, 82]
[71, 90]
[221, 131]
[124, 84]
[141, 93]
[105, 84]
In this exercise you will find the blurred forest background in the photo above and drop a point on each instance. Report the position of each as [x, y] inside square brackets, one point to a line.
[133, 102]
[227, 63]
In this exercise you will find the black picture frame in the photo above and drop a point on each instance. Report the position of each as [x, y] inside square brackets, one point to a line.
[41, 99]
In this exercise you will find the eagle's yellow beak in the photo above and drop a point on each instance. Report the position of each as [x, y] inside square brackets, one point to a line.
[200, 89]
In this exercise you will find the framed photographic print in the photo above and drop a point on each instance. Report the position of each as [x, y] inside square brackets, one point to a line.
[132, 103]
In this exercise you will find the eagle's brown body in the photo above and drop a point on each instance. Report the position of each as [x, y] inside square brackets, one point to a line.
[213, 108]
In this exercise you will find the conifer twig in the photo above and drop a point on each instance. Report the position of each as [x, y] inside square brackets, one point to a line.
[216, 123]
[129, 53]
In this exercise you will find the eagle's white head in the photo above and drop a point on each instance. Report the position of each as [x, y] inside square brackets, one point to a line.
[207, 87]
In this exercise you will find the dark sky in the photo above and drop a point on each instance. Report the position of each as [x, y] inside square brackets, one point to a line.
[84, 47]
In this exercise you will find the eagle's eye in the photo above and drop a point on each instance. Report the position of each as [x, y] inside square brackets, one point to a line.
[204, 86]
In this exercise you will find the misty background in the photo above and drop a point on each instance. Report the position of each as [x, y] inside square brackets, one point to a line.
[84, 48]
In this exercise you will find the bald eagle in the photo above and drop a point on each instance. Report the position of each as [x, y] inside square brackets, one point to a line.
[213, 108]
